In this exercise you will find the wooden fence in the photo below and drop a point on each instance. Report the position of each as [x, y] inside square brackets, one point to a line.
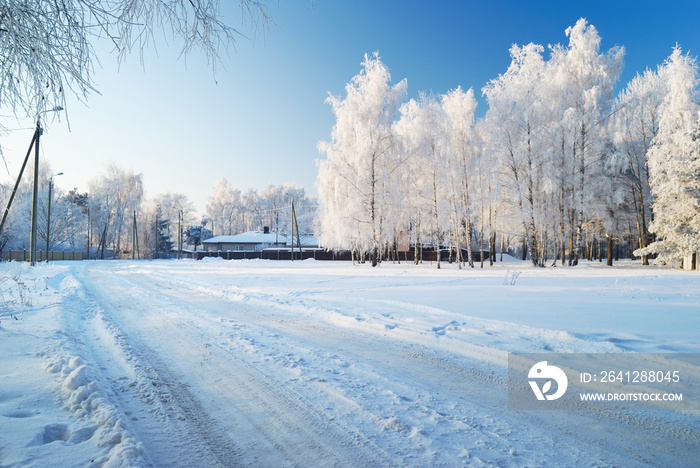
[321, 254]
[23, 256]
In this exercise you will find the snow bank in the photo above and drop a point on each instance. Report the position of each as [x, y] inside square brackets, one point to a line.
[52, 411]
[95, 418]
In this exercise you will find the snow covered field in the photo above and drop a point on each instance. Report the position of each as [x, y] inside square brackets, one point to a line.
[260, 363]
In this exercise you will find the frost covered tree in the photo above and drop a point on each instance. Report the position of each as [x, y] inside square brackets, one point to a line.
[71, 228]
[422, 129]
[517, 118]
[584, 79]
[549, 123]
[176, 207]
[224, 209]
[274, 208]
[232, 212]
[354, 179]
[674, 163]
[556, 162]
[636, 123]
[459, 108]
[15, 233]
[46, 48]
[114, 197]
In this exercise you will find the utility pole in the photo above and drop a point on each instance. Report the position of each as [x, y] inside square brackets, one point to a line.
[135, 240]
[155, 236]
[89, 231]
[19, 178]
[48, 220]
[136, 234]
[179, 234]
[295, 225]
[35, 191]
[48, 217]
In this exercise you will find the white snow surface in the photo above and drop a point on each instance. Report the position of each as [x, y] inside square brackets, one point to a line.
[263, 363]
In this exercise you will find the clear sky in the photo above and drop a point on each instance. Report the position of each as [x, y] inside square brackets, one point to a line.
[258, 120]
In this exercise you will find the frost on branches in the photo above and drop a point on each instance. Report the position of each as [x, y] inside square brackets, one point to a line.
[559, 169]
[356, 181]
[674, 163]
[46, 48]
[634, 127]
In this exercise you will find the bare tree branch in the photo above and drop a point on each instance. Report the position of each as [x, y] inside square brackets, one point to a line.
[46, 46]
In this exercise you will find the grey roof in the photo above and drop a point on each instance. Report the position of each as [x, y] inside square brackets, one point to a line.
[250, 237]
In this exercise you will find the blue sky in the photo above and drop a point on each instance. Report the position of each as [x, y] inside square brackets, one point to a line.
[258, 120]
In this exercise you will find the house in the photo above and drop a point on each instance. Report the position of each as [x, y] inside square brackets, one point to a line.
[251, 241]
[308, 241]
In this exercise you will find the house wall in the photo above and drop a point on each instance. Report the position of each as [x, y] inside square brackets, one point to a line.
[236, 247]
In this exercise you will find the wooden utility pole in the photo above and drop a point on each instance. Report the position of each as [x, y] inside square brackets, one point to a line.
[88, 230]
[35, 195]
[48, 221]
[135, 253]
[295, 225]
[155, 237]
[19, 178]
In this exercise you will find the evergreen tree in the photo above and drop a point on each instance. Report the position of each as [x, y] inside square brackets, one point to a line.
[194, 235]
[163, 244]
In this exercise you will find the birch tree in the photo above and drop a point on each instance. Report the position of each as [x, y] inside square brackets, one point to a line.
[636, 124]
[422, 128]
[224, 209]
[352, 179]
[586, 79]
[517, 118]
[459, 108]
[114, 197]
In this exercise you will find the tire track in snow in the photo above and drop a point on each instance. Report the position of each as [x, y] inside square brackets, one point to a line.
[595, 437]
[293, 427]
[387, 371]
[168, 419]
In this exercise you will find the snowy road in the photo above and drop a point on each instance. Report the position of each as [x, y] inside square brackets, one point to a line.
[263, 364]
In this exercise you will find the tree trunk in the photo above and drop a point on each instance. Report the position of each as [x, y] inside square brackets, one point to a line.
[436, 219]
[467, 210]
[416, 245]
[581, 187]
[532, 242]
[492, 240]
[571, 248]
[481, 239]
[470, 258]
